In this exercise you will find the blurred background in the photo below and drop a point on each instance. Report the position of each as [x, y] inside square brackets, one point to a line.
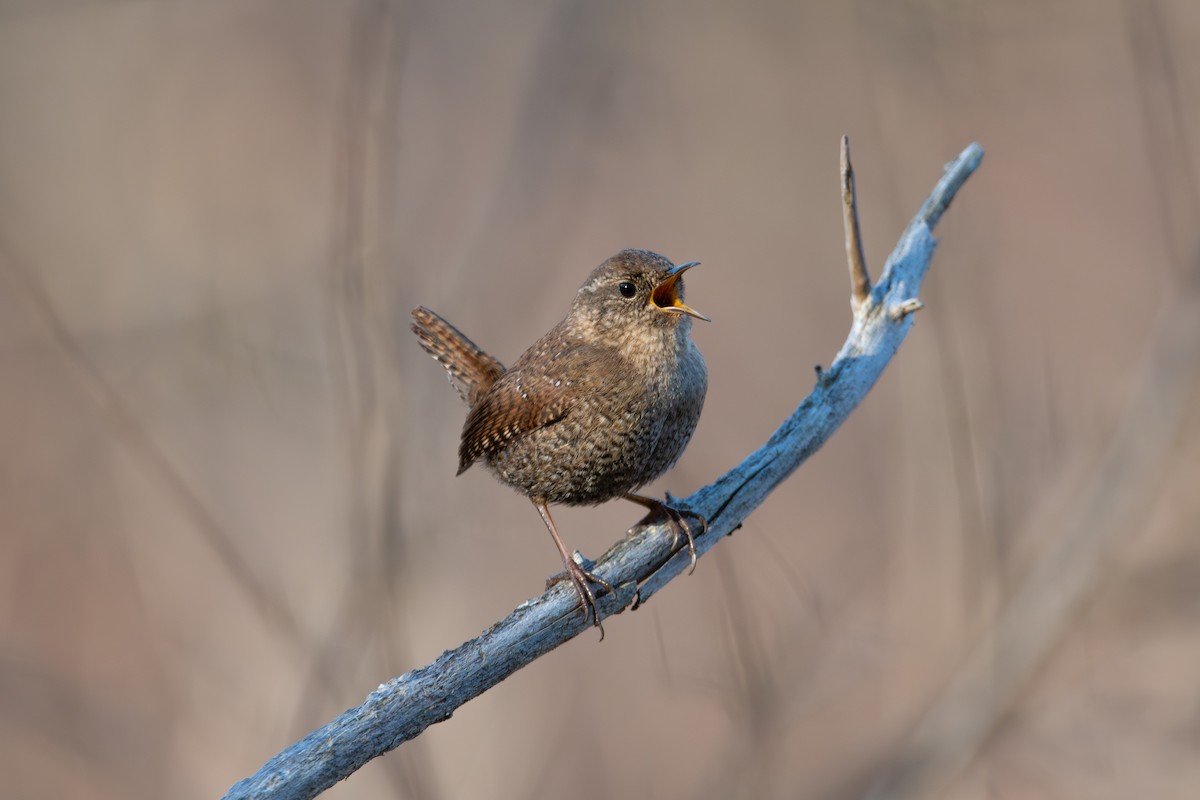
[227, 493]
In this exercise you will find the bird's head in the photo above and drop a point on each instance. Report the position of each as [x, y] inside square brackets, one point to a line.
[634, 291]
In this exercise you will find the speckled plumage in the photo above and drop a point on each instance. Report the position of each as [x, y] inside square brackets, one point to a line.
[602, 404]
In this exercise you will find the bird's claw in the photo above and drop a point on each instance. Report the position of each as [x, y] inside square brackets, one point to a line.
[678, 520]
[581, 578]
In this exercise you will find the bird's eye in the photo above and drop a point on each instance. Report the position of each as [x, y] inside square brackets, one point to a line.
[626, 289]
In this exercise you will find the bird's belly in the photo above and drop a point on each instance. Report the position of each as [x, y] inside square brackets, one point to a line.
[576, 465]
[681, 412]
[610, 444]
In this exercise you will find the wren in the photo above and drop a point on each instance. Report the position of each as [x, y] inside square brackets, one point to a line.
[601, 405]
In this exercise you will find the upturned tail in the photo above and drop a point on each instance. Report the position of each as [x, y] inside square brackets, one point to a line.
[472, 371]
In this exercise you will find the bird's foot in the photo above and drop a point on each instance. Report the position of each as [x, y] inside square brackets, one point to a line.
[677, 519]
[581, 579]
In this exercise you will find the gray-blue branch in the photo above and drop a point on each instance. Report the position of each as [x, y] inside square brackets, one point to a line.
[637, 566]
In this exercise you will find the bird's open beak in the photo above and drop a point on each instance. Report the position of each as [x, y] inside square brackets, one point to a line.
[666, 295]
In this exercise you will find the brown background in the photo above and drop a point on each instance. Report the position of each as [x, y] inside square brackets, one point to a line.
[227, 489]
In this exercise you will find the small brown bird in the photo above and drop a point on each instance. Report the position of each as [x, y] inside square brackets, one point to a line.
[601, 405]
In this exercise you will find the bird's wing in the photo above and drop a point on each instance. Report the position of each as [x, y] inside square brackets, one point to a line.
[472, 371]
[533, 394]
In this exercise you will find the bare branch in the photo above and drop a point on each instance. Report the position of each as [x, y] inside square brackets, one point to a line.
[638, 565]
[860, 279]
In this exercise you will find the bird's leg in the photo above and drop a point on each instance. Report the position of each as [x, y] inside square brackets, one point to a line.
[578, 575]
[676, 518]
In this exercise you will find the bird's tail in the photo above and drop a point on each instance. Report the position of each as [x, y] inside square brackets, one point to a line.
[472, 371]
